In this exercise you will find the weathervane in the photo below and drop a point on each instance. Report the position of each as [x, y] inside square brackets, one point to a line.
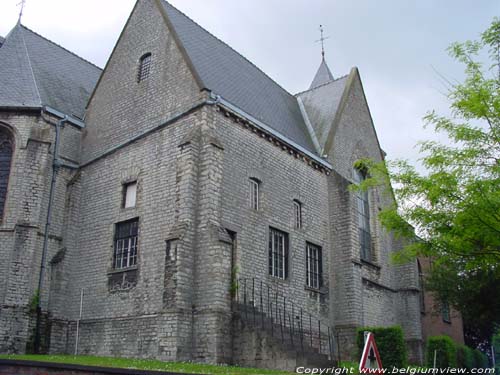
[22, 8]
[322, 40]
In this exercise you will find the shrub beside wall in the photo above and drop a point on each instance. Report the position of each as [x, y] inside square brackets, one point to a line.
[480, 359]
[465, 357]
[446, 352]
[390, 343]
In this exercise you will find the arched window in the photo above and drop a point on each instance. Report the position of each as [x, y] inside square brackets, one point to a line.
[363, 211]
[144, 67]
[6, 149]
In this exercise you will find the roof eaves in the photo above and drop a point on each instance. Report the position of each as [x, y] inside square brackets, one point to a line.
[324, 84]
[272, 131]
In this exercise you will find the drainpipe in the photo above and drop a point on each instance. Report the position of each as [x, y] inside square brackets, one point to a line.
[55, 167]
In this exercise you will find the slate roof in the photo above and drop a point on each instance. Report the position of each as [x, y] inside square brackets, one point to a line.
[321, 104]
[2, 39]
[228, 74]
[35, 72]
[323, 75]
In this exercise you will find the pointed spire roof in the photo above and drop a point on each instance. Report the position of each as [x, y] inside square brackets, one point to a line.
[323, 75]
[227, 73]
[35, 72]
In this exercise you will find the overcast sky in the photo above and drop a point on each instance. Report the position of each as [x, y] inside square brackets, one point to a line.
[399, 46]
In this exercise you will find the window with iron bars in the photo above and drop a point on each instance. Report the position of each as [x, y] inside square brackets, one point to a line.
[144, 67]
[254, 193]
[363, 213]
[278, 253]
[314, 266]
[125, 249]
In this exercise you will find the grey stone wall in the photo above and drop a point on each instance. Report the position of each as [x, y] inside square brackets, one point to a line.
[23, 224]
[121, 107]
[283, 178]
[193, 190]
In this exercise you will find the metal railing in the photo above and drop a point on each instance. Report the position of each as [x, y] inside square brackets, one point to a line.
[263, 304]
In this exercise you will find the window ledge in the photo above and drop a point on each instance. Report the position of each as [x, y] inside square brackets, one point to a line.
[370, 264]
[314, 290]
[277, 279]
[120, 270]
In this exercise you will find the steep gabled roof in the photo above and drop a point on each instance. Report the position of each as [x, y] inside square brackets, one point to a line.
[36, 72]
[228, 74]
[322, 104]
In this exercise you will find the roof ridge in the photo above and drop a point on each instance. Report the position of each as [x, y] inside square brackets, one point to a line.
[324, 84]
[57, 45]
[221, 41]
[31, 67]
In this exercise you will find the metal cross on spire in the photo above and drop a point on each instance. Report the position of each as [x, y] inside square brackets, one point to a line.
[21, 3]
[322, 40]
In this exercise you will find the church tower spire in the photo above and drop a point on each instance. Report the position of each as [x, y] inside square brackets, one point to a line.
[323, 75]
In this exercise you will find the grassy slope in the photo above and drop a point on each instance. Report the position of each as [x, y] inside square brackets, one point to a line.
[145, 364]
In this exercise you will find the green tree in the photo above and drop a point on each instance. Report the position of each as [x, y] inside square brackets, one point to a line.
[454, 206]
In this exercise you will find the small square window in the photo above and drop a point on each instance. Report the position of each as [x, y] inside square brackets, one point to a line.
[254, 193]
[297, 213]
[130, 194]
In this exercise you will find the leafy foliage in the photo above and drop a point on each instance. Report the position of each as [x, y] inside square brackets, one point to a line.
[390, 343]
[445, 350]
[480, 359]
[454, 207]
[465, 357]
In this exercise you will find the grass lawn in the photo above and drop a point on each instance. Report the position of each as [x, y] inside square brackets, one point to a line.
[145, 364]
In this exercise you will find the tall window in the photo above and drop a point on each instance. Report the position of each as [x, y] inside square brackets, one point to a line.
[421, 287]
[125, 254]
[129, 194]
[144, 67]
[6, 149]
[445, 311]
[278, 253]
[363, 213]
[314, 265]
[254, 193]
[297, 213]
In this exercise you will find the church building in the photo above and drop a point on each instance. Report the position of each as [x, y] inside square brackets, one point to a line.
[181, 205]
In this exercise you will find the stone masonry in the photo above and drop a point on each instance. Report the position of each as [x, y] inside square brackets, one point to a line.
[192, 156]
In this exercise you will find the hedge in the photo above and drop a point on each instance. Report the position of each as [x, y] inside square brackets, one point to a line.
[446, 352]
[390, 343]
[465, 357]
[480, 359]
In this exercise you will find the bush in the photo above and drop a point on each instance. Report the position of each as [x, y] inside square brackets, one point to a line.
[390, 343]
[480, 359]
[465, 357]
[446, 352]
[496, 346]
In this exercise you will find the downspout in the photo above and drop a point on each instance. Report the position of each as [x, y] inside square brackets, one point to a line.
[55, 168]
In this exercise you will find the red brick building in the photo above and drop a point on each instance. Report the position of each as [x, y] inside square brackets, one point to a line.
[438, 317]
